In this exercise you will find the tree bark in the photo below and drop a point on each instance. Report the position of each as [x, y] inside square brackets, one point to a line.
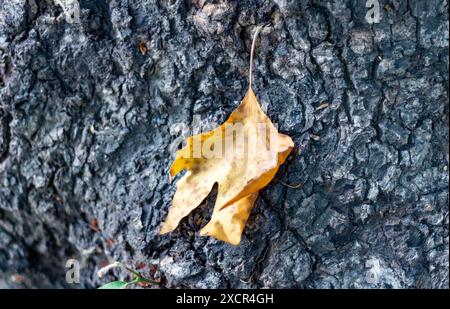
[91, 95]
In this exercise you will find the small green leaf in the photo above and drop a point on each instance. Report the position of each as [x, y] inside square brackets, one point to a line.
[115, 285]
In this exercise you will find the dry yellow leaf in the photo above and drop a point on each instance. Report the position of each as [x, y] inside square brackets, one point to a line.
[242, 156]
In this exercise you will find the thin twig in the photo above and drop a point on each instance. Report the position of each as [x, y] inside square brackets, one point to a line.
[288, 185]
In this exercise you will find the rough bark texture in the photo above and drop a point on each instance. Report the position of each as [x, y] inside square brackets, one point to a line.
[90, 89]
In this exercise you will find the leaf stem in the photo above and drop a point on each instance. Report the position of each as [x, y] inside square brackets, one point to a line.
[258, 29]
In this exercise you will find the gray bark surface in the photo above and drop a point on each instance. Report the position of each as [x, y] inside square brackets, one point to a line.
[89, 91]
